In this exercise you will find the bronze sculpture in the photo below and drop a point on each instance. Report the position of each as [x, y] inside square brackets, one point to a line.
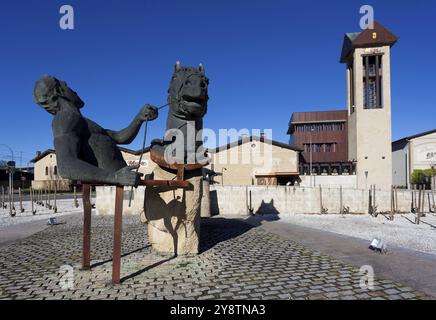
[187, 98]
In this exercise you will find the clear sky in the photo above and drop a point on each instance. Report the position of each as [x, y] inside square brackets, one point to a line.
[265, 60]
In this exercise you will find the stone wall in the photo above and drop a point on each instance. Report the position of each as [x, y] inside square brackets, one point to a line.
[330, 181]
[61, 185]
[105, 200]
[240, 200]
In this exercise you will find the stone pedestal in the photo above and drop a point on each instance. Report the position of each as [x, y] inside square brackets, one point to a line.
[205, 200]
[173, 215]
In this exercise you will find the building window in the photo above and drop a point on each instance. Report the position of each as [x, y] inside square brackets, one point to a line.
[55, 170]
[320, 127]
[351, 84]
[372, 81]
[46, 171]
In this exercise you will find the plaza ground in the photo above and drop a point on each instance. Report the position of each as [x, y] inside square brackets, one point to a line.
[260, 257]
[401, 232]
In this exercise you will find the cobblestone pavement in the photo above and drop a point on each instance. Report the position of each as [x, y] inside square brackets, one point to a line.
[237, 262]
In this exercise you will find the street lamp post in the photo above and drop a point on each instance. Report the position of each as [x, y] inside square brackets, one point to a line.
[10, 149]
[11, 164]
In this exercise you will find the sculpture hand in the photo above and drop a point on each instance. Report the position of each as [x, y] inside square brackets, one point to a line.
[127, 177]
[148, 112]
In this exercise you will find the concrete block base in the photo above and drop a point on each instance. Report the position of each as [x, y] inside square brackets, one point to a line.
[173, 215]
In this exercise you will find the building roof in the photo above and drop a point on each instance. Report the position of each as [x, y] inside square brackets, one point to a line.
[243, 140]
[405, 139]
[52, 151]
[317, 117]
[365, 39]
[42, 155]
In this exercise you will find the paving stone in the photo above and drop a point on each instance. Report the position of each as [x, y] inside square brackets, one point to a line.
[236, 261]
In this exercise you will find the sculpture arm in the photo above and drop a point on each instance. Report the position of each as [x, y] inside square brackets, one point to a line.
[127, 135]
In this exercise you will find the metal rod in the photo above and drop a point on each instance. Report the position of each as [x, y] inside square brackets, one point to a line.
[3, 198]
[418, 213]
[320, 199]
[370, 201]
[55, 208]
[86, 197]
[76, 203]
[48, 198]
[31, 200]
[413, 198]
[20, 197]
[423, 201]
[140, 159]
[12, 204]
[373, 199]
[118, 224]
[341, 206]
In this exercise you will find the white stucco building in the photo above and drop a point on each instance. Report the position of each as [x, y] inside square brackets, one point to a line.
[412, 153]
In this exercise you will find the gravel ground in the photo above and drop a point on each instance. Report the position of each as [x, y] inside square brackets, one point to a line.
[402, 232]
[64, 207]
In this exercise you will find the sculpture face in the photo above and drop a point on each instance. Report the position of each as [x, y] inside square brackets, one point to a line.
[188, 92]
[49, 92]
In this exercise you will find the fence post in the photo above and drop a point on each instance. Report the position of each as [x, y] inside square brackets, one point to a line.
[3, 198]
[341, 206]
[320, 199]
[31, 200]
[76, 203]
[370, 201]
[20, 197]
[12, 204]
[55, 208]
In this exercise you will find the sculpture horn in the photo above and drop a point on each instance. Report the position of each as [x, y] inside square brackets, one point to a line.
[177, 66]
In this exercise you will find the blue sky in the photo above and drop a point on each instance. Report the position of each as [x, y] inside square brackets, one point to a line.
[265, 60]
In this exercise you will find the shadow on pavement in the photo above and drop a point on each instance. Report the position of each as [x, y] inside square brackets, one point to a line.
[216, 230]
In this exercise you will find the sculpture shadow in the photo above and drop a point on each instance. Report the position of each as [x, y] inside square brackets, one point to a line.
[216, 230]
[100, 263]
[267, 208]
[139, 272]
[174, 206]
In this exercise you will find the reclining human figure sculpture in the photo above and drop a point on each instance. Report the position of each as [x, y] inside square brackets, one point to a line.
[85, 151]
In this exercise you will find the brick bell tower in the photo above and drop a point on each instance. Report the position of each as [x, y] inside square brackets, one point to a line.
[367, 58]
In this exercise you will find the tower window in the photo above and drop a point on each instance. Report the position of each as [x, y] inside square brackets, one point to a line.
[351, 85]
[372, 81]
